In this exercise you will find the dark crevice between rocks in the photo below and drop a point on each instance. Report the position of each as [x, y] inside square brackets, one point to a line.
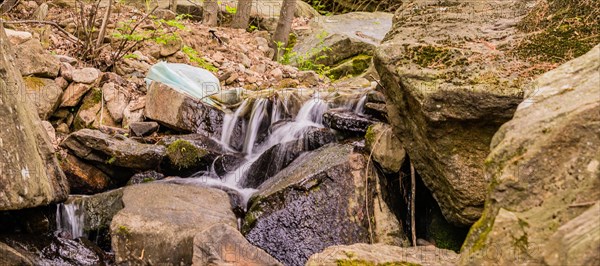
[431, 226]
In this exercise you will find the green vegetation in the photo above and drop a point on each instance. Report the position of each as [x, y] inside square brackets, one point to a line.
[560, 30]
[194, 57]
[311, 59]
[183, 154]
[123, 231]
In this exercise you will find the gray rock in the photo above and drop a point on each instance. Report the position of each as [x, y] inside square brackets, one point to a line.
[116, 100]
[45, 95]
[365, 254]
[544, 169]
[141, 129]
[73, 94]
[316, 202]
[332, 39]
[385, 147]
[447, 96]
[86, 75]
[34, 60]
[93, 145]
[145, 177]
[346, 121]
[150, 230]
[17, 37]
[181, 112]
[29, 172]
[222, 244]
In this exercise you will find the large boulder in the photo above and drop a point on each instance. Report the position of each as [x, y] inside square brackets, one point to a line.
[161, 231]
[545, 172]
[93, 145]
[364, 254]
[45, 95]
[181, 112]
[29, 172]
[333, 39]
[447, 96]
[317, 201]
[84, 178]
[34, 60]
[10, 256]
[222, 244]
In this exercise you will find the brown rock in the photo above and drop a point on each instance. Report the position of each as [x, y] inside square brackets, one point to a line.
[83, 177]
[73, 94]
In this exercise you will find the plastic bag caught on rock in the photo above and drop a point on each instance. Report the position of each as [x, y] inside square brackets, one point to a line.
[193, 81]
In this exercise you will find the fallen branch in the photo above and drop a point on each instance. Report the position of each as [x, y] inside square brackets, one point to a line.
[413, 190]
[583, 204]
[70, 36]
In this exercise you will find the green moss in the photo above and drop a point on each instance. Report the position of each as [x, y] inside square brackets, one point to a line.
[93, 97]
[370, 136]
[183, 154]
[34, 83]
[123, 230]
[350, 67]
[560, 31]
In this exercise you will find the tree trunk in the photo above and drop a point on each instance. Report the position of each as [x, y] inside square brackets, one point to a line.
[242, 16]
[210, 14]
[173, 5]
[282, 32]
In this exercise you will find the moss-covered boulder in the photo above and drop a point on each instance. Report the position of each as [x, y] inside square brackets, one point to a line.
[545, 172]
[323, 198]
[450, 84]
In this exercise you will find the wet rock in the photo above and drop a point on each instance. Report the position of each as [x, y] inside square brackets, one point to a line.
[445, 104]
[86, 75]
[222, 244]
[310, 205]
[336, 38]
[34, 60]
[29, 172]
[73, 94]
[377, 110]
[346, 121]
[43, 249]
[83, 177]
[45, 95]
[145, 177]
[271, 162]
[10, 256]
[116, 100]
[385, 147]
[379, 254]
[181, 112]
[99, 210]
[544, 168]
[93, 145]
[141, 129]
[147, 225]
[318, 137]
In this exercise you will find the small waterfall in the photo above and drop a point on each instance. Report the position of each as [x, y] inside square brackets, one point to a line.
[276, 111]
[360, 106]
[258, 113]
[229, 122]
[70, 219]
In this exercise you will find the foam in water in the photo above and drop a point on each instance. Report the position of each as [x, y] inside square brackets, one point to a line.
[70, 219]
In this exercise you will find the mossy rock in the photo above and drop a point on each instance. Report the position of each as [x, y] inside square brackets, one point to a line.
[184, 154]
[350, 67]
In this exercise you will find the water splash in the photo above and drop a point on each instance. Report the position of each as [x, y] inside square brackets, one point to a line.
[70, 218]
[229, 123]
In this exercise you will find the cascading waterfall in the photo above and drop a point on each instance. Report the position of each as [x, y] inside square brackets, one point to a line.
[256, 117]
[70, 219]
[229, 122]
[360, 106]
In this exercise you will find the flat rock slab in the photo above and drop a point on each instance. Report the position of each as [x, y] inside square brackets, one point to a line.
[159, 222]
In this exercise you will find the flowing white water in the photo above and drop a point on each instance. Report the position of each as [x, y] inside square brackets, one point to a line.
[258, 114]
[70, 218]
[229, 122]
[360, 106]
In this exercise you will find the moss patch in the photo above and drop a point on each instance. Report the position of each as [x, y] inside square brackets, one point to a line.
[183, 154]
[350, 67]
[34, 83]
[560, 30]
